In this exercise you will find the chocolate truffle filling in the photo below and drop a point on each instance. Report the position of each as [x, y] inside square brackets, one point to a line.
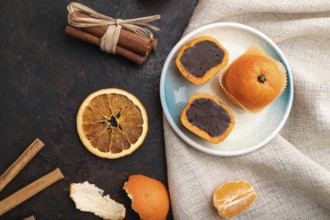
[201, 57]
[208, 116]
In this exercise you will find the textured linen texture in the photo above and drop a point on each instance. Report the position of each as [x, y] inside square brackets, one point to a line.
[291, 174]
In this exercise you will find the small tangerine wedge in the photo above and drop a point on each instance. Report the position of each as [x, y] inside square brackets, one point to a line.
[232, 198]
[112, 123]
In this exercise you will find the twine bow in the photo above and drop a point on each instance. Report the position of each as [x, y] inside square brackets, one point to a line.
[110, 38]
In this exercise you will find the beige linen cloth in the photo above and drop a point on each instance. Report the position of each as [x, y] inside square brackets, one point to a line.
[291, 174]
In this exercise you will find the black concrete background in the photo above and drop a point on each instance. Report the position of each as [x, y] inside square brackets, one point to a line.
[44, 77]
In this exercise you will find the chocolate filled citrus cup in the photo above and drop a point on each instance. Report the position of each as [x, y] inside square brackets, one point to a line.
[201, 59]
[206, 116]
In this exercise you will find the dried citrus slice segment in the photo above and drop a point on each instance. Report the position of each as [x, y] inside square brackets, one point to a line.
[232, 198]
[112, 123]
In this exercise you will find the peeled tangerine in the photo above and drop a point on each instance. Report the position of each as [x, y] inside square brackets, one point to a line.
[254, 80]
[232, 198]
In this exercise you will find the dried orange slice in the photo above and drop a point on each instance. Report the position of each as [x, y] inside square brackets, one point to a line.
[112, 123]
[232, 198]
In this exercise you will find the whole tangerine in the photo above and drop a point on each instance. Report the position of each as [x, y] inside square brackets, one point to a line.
[254, 81]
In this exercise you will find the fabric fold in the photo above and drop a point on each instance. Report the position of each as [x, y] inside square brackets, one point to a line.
[291, 174]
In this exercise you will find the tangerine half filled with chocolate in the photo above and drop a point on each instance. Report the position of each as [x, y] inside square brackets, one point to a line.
[254, 80]
[209, 118]
[201, 59]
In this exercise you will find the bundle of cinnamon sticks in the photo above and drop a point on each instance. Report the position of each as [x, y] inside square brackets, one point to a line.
[132, 46]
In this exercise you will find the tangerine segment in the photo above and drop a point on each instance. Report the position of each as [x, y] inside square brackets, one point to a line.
[112, 123]
[232, 198]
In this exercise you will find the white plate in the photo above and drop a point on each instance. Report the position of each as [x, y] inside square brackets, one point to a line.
[251, 131]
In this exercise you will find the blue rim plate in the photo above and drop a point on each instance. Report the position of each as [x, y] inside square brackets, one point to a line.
[251, 131]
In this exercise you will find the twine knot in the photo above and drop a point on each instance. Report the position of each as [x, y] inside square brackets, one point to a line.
[118, 21]
[110, 38]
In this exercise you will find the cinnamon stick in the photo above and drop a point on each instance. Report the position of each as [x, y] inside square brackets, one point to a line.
[137, 43]
[30, 218]
[89, 38]
[154, 43]
[20, 163]
[30, 190]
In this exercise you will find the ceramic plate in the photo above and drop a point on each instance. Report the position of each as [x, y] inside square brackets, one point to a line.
[251, 131]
